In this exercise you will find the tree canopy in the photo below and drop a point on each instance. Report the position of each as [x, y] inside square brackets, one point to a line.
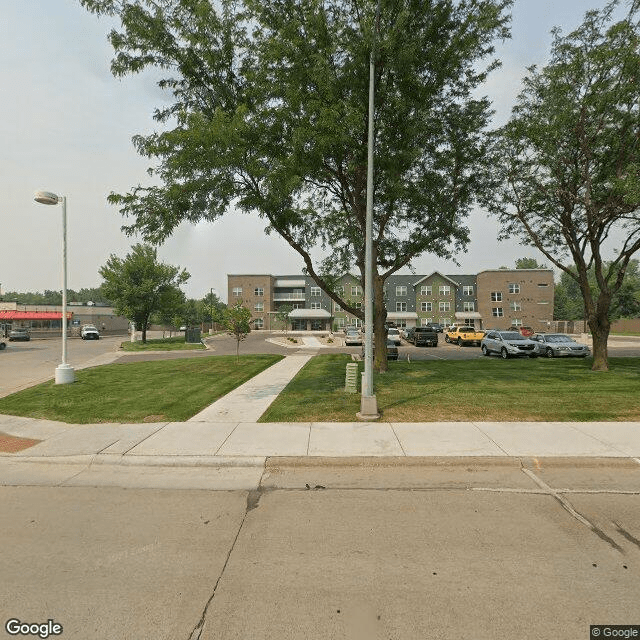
[568, 161]
[139, 285]
[269, 113]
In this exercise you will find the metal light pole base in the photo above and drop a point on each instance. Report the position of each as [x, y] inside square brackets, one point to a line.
[65, 374]
[368, 409]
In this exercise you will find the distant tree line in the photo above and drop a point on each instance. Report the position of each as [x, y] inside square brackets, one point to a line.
[55, 297]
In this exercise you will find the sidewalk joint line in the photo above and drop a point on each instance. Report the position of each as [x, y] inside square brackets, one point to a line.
[404, 453]
[604, 442]
[215, 453]
[488, 437]
[146, 438]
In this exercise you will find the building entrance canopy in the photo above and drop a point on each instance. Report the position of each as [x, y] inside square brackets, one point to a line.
[309, 314]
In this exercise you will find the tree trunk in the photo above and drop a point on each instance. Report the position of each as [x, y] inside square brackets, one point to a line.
[600, 327]
[380, 364]
[144, 333]
[237, 351]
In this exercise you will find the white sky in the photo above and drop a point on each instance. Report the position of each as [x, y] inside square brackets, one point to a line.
[66, 125]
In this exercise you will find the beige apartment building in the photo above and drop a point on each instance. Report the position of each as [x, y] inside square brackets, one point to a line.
[516, 298]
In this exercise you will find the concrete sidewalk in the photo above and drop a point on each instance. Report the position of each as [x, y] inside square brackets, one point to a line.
[227, 436]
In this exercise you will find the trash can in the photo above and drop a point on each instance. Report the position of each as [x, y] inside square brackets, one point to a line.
[192, 335]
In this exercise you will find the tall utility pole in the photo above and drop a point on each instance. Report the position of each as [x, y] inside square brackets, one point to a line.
[368, 401]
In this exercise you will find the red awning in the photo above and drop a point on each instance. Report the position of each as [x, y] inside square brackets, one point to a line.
[33, 315]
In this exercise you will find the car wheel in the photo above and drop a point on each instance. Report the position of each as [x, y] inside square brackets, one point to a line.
[485, 351]
[549, 353]
[503, 354]
[2, 346]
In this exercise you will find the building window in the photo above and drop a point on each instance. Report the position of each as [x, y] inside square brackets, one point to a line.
[401, 290]
[467, 290]
[444, 290]
[468, 306]
[426, 290]
[401, 306]
[445, 322]
[315, 291]
[258, 292]
[426, 321]
[497, 312]
[339, 322]
[259, 306]
[516, 323]
[298, 292]
[357, 305]
[258, 323]
[356, 290]
[444, 306]
[340, 291]
[496, 296]
[237, 292]
[543, 284]
[426, 306]
[298, 305]
[316, 305]
[515, 306]
[401, 324]
[514, 287]
[336, 307]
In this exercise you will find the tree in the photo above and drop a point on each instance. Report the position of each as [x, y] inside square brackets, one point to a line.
[213, 308]
[270, 100]
[139, 285]
[529, 263]
[282, 316]
[625, 303]
[236, 320]
[569, 161]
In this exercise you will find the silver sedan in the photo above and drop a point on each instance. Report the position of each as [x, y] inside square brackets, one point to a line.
[553, 345]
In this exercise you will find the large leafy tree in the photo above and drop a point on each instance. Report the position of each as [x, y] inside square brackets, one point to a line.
[569, 161]
[140, 285]
[269, 113]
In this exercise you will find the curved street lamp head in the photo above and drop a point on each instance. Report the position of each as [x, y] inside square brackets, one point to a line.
[46, 197]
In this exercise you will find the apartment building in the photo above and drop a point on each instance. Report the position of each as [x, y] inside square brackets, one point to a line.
[495, 299]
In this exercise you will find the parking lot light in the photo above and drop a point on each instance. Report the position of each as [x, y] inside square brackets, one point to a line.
[64, 373]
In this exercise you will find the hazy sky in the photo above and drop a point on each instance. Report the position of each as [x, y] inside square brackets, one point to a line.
[66, 125]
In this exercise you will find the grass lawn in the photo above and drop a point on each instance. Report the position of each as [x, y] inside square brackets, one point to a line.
[159, 391]
[174, 343]
[485, 389]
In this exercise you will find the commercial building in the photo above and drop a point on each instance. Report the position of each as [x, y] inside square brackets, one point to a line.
[495, 299]
[46, 320]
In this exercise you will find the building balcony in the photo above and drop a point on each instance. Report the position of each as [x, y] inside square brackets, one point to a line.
[287, 297]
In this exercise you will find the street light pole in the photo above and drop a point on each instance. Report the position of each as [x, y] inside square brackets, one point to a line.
[368, 401]
[64, 373]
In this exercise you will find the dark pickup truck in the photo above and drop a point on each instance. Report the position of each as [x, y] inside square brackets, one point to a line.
[420, 336]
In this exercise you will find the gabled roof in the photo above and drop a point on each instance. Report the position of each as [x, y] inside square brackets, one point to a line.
[415, 284]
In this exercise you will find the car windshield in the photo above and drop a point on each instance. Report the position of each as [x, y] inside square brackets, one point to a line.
[512, 335]
[558, 338]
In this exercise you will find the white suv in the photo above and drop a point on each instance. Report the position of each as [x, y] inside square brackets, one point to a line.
[89, 332]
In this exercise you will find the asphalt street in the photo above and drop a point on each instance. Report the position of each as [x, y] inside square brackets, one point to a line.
[480, 549]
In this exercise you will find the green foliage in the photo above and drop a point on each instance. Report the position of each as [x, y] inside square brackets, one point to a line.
[569, 304]
[49, 297]
[529, 263]
[139, 285]
[567, 162]
[237, 321]
[270, 104]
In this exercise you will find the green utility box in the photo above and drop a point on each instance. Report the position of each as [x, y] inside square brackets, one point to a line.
[192, 335]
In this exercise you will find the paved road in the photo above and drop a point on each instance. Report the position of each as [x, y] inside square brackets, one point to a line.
[22, 364]
[463, 549]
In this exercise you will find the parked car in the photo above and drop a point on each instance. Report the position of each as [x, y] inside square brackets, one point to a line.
[422, 336]
[393, 334]
[508, 344]
[89, 332]
[19, 334]
[438, 328]
[352, 336]
[553, 345]
[392, 350]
